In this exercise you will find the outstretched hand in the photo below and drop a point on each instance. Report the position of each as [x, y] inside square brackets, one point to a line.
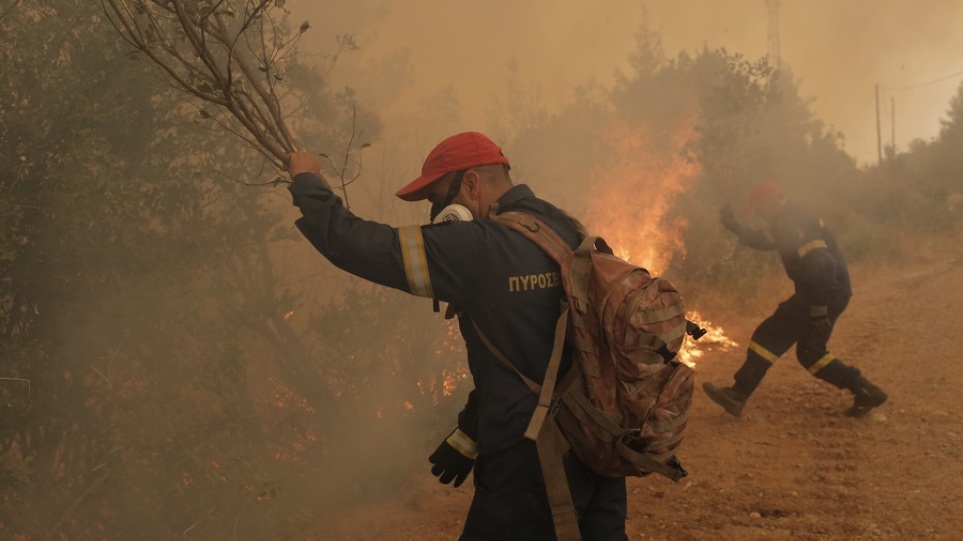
[301, 161]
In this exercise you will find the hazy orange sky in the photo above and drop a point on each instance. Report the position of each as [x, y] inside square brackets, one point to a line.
[838, 50]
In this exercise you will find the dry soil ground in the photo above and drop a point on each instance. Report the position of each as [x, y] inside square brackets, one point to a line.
[793, 467]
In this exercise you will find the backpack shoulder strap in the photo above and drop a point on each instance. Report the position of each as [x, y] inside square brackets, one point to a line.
[550, 443]
[536, 231]
[547, 388]
[575, 264]
[535, 387]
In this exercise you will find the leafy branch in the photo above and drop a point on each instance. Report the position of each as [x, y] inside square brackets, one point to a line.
[229, 53]
[347, 167]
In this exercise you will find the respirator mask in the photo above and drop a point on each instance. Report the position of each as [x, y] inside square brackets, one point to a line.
[453, 213]
[445, 211]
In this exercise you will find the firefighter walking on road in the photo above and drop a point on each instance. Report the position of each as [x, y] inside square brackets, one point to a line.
[814, 262]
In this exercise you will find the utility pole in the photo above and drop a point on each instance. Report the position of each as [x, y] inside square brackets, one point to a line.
[773, 44]
[892, 125]
[879, 135]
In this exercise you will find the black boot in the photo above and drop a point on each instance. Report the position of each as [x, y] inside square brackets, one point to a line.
[727, 397]
[867, 397]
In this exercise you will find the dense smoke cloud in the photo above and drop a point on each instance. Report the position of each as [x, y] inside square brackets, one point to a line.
[180, 363]
[839, 51]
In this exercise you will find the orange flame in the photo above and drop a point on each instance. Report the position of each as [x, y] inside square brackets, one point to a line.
[449, 346]
[453, 379]
[715, 339]
[635, 190]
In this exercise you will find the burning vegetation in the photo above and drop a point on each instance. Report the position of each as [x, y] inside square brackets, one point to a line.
[175, 366]
[634, 191]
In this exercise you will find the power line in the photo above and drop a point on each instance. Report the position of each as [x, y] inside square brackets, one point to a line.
[927, 83]
[892, 116]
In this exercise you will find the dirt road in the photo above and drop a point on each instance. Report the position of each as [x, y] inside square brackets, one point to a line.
[793, 467]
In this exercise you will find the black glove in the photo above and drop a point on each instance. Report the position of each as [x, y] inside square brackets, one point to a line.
[454, 458]
[728, 218]
[819, 318]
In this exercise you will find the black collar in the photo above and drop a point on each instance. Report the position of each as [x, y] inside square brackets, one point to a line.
[513, 196]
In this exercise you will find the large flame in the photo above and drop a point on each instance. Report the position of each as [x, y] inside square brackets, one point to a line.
[633, 192]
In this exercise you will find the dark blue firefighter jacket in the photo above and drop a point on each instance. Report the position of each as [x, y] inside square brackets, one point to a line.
[495, 277]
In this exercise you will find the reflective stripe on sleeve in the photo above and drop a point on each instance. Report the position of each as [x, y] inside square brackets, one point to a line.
[415, 260]
[462, 443]
[826, 359]
[763, 352]
[810, 246]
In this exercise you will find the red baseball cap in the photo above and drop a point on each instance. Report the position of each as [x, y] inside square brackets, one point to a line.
[460, 151]
[764, 191]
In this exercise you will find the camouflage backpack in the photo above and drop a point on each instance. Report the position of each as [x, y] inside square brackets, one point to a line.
[623, 406]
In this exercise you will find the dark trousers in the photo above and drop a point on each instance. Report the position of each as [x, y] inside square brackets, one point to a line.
[789, 325]
[511, 504]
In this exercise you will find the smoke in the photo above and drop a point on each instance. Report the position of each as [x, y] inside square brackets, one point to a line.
[434, 67]
[839, 50]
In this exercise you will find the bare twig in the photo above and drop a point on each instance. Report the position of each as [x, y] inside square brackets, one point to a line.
[277, 180]
[76, 502]
[233, 54]
[240, 511]
[197, 44]
[342, 169]
[192, 526]
[99, 373]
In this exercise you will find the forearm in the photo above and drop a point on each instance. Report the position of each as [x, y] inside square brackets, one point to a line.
[753, 238]
[468, 417]
[316, 200]
[366, 249]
